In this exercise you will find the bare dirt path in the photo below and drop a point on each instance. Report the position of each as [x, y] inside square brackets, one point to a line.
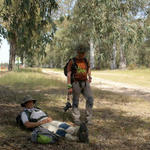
[117, 87]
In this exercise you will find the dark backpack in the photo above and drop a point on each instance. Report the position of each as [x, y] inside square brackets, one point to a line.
[43, 136]
[19, 120]
[74, 67]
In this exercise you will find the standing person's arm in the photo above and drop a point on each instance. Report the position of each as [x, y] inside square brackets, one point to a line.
[89, 72]
[69, 85]
[89, 75]
[69, 77]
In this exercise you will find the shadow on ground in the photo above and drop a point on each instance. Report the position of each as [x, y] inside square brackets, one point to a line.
[111, 130]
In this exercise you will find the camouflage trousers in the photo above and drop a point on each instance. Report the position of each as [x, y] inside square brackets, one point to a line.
[82, 87]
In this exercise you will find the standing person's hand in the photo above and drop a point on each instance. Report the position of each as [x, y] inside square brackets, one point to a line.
[70, 91]
[90, 79]
[69, 86]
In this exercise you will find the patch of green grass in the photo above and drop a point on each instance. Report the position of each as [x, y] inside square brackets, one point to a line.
[28, 70]
[28, 80]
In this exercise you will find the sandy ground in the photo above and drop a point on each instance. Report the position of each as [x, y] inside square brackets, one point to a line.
[117, 87]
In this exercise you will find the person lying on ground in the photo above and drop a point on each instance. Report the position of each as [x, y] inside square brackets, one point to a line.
[33, 117]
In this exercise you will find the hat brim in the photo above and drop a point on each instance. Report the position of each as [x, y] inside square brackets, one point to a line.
[23, 104]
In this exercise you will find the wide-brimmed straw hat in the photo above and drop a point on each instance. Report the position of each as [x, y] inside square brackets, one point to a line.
[27, 99]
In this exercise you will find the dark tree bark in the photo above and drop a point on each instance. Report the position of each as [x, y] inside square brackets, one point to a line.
[12, 54]
[22, 60]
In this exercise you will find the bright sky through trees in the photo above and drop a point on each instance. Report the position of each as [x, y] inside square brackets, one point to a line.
[4, 52]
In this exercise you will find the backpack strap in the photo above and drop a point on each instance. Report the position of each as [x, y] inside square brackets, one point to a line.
[73, 68]
[86, 63]
[74, 65]
[74, 60]
[28, 113]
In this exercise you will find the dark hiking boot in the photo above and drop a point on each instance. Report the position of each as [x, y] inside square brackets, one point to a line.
[83, 133]
[77, 122]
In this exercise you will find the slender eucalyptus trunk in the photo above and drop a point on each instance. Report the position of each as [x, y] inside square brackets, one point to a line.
[12, 54]
[114, 54]
[92, 51]
[122, 64]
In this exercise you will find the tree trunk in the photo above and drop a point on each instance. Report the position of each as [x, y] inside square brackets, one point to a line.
[98, 67]
[92, 50]
[22, 60]
[12, 54]
[122, 64]
[114, 54]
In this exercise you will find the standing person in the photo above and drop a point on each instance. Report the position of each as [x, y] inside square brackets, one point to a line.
[78, 80]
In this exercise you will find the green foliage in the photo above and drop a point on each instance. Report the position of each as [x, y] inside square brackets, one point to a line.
[26, 79]
[107, 22]
[62, 47]
[132, 66]
[92, 19]
[29, 25]
[144, 57]
[116, 27]
[3, 32]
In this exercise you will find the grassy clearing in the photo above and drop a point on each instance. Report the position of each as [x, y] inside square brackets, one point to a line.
[140, 77]
[137, 77]
[28, 80]
[120, 122]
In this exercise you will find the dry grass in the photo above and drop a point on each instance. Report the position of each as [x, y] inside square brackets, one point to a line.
[138, 77]
[119, 122]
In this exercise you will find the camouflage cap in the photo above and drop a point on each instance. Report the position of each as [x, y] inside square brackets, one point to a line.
[27, 99]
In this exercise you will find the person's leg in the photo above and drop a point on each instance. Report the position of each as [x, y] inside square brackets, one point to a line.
[70, 137]
[66, 130]
[75, 102]
[50, 127]
[56, 123]
[89, 101]
[72, 130]
[54, 127]
[77, 133]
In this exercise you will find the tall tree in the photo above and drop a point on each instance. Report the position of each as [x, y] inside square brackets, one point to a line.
[114, 30]
[111, 22]
[29, 26]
